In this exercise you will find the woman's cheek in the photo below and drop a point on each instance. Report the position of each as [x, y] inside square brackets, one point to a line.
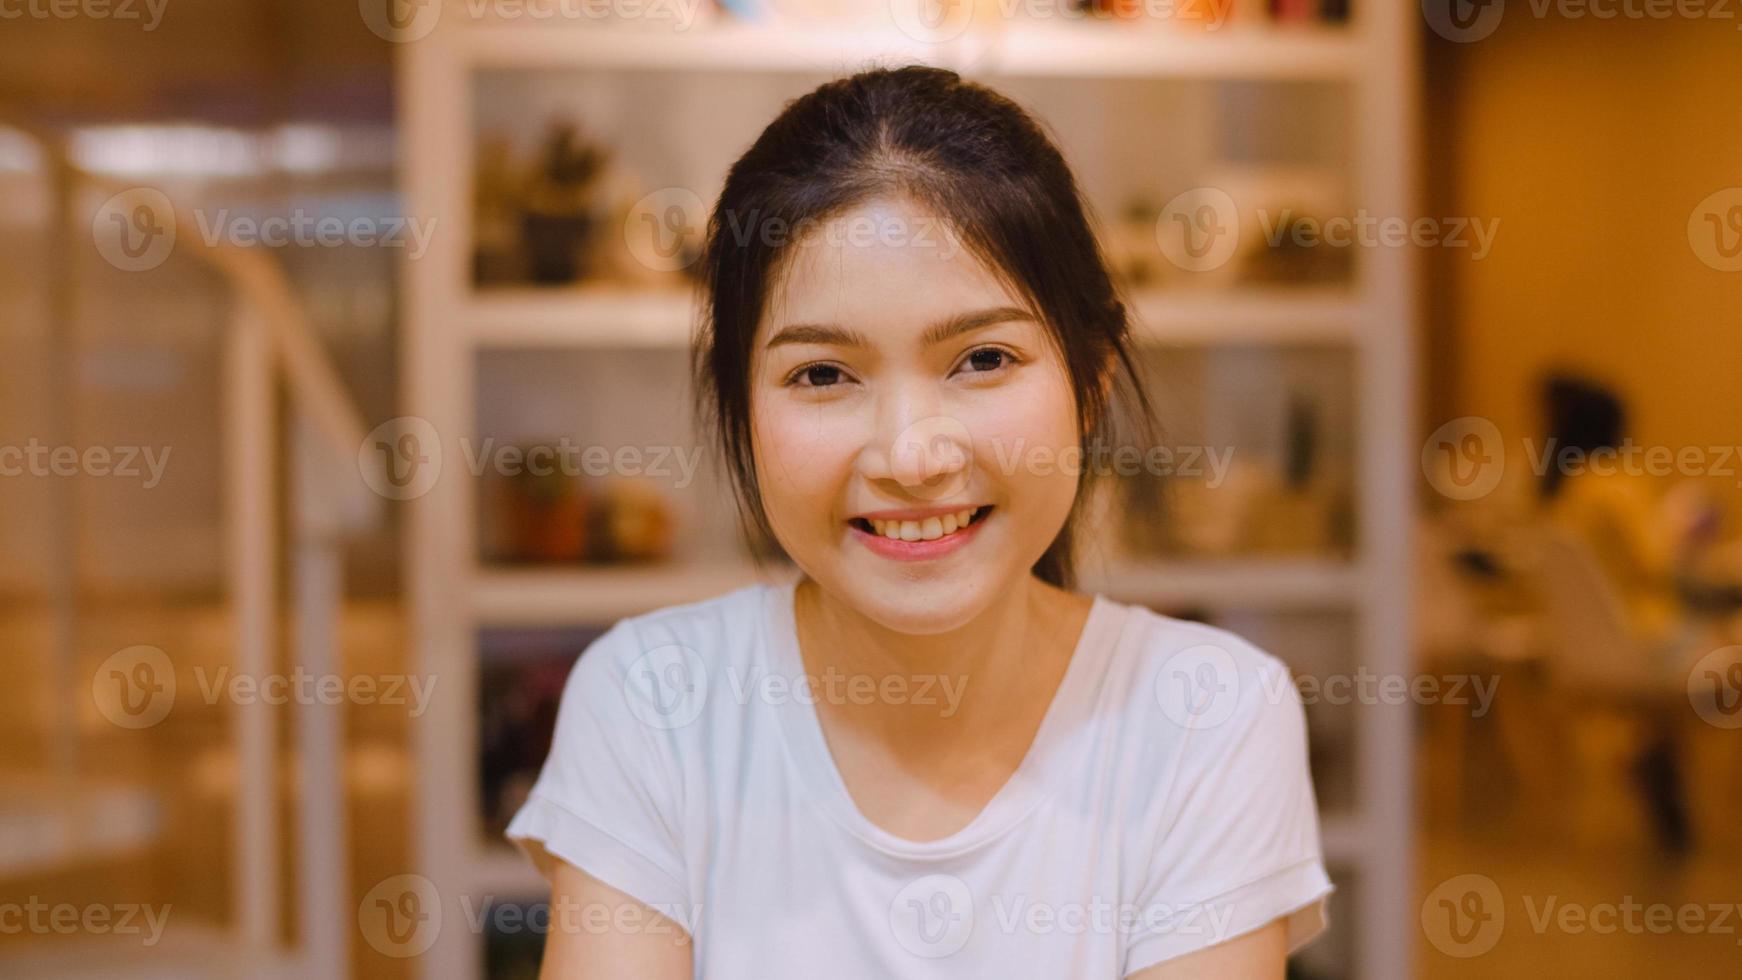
[801, 454]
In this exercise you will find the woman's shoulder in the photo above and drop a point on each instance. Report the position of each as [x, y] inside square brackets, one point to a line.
[679, 647]
[1153, 638]
[1190, 676]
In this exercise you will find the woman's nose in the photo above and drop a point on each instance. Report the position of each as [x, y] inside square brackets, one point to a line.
[930, 454]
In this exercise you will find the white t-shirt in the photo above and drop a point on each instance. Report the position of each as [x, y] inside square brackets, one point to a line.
[1164, 806]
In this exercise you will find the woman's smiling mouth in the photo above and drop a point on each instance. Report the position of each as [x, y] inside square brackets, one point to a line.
[919, 534]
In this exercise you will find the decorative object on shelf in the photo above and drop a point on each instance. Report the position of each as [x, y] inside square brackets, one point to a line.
[1293, 506]
[560, 209]
[1296, 513]
[539, 224]
[637, 523]
[1282, 213]
[1131, 243]
[555, 517]
[549, 514]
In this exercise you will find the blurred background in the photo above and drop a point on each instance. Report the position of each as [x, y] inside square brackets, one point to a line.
[342, 402]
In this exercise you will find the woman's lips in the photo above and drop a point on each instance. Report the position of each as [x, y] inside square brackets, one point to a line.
[921, 550]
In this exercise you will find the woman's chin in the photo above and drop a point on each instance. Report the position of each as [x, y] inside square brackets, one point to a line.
[920, 604]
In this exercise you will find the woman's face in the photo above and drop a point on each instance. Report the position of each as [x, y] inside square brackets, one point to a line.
[896, 388]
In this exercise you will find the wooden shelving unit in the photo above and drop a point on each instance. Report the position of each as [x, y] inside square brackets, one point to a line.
[449, 326]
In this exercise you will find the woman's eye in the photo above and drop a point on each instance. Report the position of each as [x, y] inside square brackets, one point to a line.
[988, 359]
[816, 376]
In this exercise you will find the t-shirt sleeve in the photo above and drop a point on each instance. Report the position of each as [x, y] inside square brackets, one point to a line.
[606, 800]
[1236, 838]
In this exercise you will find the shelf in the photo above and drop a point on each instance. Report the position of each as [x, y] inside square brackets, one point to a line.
[187, 950]
[575, 596]
[554, 597]
[1234, 583]
[1062, 50]
[1245, 316]
[41, 829]
[580, 316]
[614, 317]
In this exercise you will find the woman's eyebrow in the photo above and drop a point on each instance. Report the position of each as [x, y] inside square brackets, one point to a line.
[832, 335]
[963, 323]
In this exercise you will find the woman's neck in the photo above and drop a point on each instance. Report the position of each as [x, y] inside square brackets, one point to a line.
[979, 675]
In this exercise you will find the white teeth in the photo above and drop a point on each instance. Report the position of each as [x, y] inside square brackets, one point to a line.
[925, 529]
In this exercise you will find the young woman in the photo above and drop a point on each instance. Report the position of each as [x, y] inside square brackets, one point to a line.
[927, 756]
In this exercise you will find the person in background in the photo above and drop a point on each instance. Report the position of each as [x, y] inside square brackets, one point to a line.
[1615, 514]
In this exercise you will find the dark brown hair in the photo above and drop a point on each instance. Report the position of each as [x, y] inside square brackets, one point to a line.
[980, 163]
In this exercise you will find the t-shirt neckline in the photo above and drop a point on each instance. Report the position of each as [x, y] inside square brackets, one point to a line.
[1025, 788]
